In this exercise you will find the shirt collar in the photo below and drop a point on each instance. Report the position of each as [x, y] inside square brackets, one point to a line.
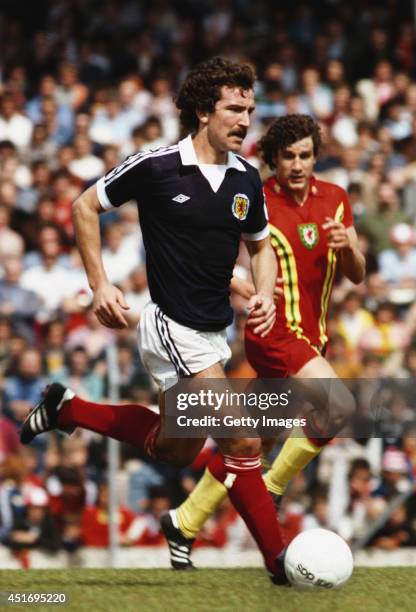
[189, 158]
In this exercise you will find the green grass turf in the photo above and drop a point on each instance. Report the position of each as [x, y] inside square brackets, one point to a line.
[219, 590]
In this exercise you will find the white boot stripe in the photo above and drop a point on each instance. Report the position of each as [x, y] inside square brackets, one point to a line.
[177, 546]
[179, 554]
[38, 417]
[44, 415]
[32, 422]
[179, 560]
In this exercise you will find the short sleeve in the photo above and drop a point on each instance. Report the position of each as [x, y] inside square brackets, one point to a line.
[123, 182]
[256, 225]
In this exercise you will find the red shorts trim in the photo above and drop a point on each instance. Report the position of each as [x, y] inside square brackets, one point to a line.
[278, 355]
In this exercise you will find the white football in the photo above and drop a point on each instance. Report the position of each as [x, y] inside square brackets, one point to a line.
[318, 558]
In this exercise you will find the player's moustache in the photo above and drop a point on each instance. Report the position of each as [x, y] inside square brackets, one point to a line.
[240, 133]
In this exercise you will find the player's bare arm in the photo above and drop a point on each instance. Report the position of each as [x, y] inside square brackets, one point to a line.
[344, 240]
[108, 301]
[261, 306]
[246, 289]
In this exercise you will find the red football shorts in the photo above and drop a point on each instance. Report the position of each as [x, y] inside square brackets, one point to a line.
[278, 355]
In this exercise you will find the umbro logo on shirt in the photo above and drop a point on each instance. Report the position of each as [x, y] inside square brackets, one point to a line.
[181, 198]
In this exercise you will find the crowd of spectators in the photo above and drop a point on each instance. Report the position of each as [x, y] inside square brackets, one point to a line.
[83, 84]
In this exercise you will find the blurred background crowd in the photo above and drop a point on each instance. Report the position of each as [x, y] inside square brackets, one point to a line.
[85, 83]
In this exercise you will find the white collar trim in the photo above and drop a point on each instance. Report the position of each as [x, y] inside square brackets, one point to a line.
[189, 158]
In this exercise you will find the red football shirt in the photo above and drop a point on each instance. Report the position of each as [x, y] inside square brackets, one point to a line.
[305, 262]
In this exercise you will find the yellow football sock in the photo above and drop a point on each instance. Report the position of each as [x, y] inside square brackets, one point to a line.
[296, 453]
[204, 500]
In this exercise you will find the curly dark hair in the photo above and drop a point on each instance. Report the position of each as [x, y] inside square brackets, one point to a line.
[201, 89]
[284, 132]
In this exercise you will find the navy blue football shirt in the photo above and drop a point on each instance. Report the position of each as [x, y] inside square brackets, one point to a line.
[191, 228]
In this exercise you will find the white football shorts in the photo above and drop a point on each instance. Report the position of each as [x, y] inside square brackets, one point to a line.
[170, 351]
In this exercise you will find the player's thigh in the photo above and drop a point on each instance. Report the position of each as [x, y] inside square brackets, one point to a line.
[329, 392]
[187, 447]
[179, 451]
[240, 447]
[185, 450]
[215, 370]
[317, 367]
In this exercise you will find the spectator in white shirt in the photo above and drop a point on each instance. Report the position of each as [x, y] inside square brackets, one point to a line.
[86, 165]
[51, 281]
[14, 126]
[398, 264]
[118, 260]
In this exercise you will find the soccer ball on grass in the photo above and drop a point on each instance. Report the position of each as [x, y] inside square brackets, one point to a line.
[318, 558]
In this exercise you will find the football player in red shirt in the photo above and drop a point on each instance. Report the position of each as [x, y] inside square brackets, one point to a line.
[312, 230]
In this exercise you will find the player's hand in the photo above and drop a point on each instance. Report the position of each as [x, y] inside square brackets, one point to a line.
[108, 304]
[262, 314]
[337, 235]
[278, 290]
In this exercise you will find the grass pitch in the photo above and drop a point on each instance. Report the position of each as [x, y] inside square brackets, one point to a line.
[208, 590]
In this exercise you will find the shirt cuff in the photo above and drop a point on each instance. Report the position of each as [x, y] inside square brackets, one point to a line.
[258, 235]
[102, 196]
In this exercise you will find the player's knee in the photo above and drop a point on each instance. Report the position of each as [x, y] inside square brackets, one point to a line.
[245, 447]
[342, 409]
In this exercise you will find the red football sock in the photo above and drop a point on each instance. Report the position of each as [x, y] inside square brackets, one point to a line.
[248, 493]
[130, 423]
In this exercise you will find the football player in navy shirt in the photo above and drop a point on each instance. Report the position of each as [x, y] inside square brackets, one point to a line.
[196, 200]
